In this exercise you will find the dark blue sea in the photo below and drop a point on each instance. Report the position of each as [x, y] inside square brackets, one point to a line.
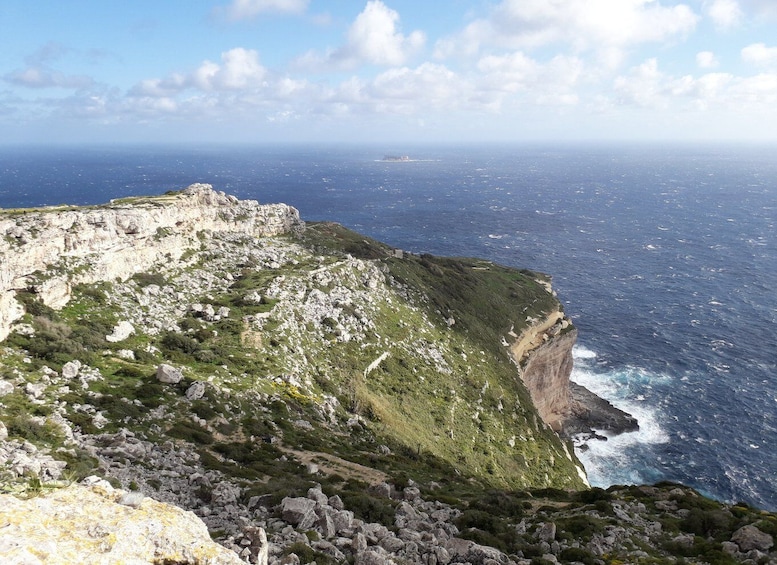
[664, 256]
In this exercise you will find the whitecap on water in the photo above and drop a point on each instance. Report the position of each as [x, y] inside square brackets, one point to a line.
[580, 352]
[617, 460]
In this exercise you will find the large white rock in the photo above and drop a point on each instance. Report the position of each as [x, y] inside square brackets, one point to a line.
[5, 388]
[88, 524]
[168, 374]
[71, 369]
[121, 331]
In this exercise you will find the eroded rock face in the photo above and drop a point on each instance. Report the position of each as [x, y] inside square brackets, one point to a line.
[546, 375]
[98, 524]
[119, 239]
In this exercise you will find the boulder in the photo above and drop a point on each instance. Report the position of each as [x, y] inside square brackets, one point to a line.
[34, 390]
[71, 369]
[299, 512]
[546, 532]
[749, 537]
[86, 524]
[196, 391]
[5, 388]
[121, 331]
[168, 374]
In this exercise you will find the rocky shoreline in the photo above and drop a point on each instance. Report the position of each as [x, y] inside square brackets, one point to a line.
[592, 414]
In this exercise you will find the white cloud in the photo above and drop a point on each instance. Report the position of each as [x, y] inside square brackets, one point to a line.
[373, 38]
[239, 69]
[647, 87]
[247, 9]
[428, 88]
[759, 54]
[550, 83]
[766, 9]
[590, 25]
[759, 90]
[644, 86]
[725, 14]
[428, 84]
[706, 60]
[37, 77]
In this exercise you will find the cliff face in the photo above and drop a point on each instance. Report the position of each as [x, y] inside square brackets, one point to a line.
[51, 250]
[546, 371]
[544, 354]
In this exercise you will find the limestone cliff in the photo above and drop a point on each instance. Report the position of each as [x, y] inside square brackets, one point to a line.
[545, 371]
[52, 249]
[543, 352]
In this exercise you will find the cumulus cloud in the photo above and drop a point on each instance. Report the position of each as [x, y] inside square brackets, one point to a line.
[37, 77]
[706, 60]
[39, 71]
[646, 86]
[248, 9]
[759, 54]
[373, 38]
[725, 14]
[596, 24]
[542, 83]
[239, 69]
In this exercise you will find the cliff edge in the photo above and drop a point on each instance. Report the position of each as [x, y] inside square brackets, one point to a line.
[543, 352]
[51, 249]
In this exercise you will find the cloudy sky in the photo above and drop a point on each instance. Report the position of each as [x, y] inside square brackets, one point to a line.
[376, 70]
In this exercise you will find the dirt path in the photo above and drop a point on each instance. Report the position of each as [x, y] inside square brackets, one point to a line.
[333, 465]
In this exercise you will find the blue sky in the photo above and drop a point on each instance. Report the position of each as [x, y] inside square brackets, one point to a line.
[378, 70]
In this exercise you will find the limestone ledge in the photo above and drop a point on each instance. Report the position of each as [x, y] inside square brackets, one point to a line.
[51, 249]
[99, 524]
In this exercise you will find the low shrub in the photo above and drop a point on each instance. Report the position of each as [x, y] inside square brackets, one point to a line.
[577, 554]
[191, 432]
[147, 279]
[368, 508]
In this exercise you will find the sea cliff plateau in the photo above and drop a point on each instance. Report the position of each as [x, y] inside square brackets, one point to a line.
[310, 394]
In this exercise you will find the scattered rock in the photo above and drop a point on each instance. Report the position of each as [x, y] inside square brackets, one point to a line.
[121, 331]
[168, 374]
[5, 388]
[750, 537]
[196, 391]
[34, 390]
[299, 512]
[71, 369]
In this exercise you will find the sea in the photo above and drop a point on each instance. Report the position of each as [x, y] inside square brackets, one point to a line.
[664, 256]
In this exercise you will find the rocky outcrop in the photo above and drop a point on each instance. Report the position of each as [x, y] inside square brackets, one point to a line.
[590, 412]
[545, 373]
[544, 353]
[95, 523]
[49, 250]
